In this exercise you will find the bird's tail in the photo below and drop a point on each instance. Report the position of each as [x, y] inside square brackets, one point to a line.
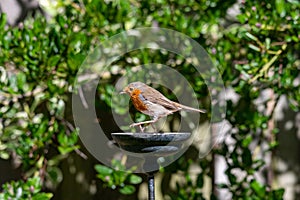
[191, 109]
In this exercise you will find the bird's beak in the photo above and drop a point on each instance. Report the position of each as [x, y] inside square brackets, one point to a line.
[124, 91]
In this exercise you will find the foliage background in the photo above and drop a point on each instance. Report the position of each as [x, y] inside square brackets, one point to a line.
[254, 44]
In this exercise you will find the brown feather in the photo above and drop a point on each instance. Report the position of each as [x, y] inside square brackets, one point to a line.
[159, 98]
[156, 97]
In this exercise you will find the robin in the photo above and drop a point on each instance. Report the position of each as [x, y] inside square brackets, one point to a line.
[151, 102]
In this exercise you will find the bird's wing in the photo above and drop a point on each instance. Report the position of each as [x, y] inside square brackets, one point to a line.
[155, 96]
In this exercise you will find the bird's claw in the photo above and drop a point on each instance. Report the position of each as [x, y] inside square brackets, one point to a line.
[133, 125]
[138, 124]
[141, 127]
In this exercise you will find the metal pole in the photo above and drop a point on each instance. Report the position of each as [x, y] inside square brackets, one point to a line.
[151, 193]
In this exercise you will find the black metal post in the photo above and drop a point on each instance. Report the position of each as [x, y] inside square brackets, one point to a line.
[151, 193]
[161, 144]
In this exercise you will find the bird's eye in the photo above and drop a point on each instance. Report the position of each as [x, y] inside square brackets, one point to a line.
[131, 89]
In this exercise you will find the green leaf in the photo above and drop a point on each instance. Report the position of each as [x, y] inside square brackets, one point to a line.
[31, 189]
[247, 157]
[65, 150]
[74, 61]
[134, 179]
[268, 43]
[4, 155]
[12, 84]
[42, 196]
[62, 139]
[222, 186]
[246, 141]
[273, 144]
[41, 129]
[200, 180]
[235, 159]
[3, 19]
[232, 178]
[280, 7]
[55, 174]
[278, 194]
[53, 60]
[255, 48]
[242, 18]
[103, 170]
[127, 189]
[258, 188]
[250, 36]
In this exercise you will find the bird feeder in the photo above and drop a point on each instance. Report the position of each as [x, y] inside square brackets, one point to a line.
[159, 145]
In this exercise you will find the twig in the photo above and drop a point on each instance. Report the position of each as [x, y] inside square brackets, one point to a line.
[83, 100]
[268, 64]
[81, 154]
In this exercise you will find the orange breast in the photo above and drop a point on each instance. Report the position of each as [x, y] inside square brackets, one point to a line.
[136, 100]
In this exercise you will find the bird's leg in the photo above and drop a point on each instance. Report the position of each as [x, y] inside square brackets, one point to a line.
[142, 128]
[154, 128]
[140, 123]
[145, 122]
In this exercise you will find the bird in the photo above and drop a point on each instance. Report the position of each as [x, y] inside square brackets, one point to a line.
[151, 102]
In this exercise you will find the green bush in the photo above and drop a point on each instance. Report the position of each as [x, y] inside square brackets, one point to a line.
[255, 49]
[30, 189]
